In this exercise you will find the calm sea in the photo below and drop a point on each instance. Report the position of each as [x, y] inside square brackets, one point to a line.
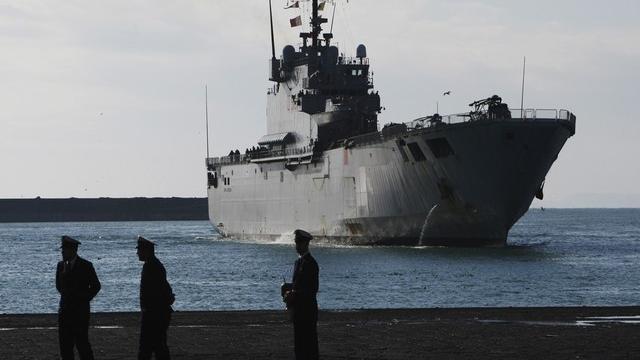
[555, 257]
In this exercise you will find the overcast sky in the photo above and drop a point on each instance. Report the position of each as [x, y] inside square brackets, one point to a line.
[106, 98]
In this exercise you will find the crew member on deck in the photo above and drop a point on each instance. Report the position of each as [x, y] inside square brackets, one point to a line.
[156, 298]
[78, 284]
[300, 297]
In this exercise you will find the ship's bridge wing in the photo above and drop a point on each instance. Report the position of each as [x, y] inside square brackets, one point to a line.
[276, 139]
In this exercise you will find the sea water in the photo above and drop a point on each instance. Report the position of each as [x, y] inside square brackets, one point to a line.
[557, 257]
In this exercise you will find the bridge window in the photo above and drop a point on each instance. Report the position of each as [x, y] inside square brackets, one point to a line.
[440, 147]
[400, 144]
[417, 153]
[281, 176]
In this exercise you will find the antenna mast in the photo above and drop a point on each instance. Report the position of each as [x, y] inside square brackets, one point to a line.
[333, 17]
[206, 115]
[273, 44]
[316, 24]
[524, 67]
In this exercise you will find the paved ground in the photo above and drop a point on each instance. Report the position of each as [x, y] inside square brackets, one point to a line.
[511, 333]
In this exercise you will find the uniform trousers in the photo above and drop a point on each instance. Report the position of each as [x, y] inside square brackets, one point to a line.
[153, 335]
[305, 333]
[73, 330]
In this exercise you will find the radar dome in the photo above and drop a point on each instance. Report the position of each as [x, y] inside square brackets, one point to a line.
[361, 51]
[332, 55]
[288, 53]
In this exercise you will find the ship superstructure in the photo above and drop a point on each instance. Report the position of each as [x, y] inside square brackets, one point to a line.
[325, 167]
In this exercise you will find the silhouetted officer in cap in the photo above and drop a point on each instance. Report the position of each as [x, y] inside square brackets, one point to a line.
[300, 297]
[77, 283]
[156, 298]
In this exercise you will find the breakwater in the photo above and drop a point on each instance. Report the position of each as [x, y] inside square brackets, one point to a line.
[102, 209]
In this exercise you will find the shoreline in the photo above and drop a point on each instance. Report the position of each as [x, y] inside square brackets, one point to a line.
[459, 333]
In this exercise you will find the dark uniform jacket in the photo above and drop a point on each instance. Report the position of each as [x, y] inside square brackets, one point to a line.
[305, 286]
[78, 286]
[155, 291]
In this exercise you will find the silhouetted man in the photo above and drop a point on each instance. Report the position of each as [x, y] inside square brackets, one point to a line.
[156, 298]
[78, 284]
[300, 297]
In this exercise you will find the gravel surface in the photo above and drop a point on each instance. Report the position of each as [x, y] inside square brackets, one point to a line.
[471, 333]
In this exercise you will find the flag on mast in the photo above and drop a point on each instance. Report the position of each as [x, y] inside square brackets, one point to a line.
[321, 6]
[295, 4]
[296, 21]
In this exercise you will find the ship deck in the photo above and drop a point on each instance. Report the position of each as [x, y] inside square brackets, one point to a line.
[304, 155]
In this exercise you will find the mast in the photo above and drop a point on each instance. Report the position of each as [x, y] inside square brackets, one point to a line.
[316, 24]
[333, 17]
[206, 115]
[315, 31]
[273, 43]
[275, 64]
[524, 68]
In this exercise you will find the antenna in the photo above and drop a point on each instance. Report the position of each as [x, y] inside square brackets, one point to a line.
[524, 68]
[333, 16]
[273, 44]
[206, 115]
[315, 24]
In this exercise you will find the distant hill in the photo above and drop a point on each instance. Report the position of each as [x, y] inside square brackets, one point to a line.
[591, 200]
[102, 209]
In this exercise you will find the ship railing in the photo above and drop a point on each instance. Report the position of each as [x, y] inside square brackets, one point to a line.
[288, 152]
[430, 121]
[342, 60]
[258, 155]
[353, 61]
[516, 115]
[540, 114]
[227, 160]
[370, 138]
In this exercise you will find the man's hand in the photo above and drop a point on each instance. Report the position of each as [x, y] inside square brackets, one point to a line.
[289, 297]
[285, 288]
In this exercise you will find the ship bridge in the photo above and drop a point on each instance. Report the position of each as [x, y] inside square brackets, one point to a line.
[319, 93]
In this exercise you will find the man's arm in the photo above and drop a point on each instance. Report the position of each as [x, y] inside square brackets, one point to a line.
[165, 288]
[311, 279]
[58, 278]
[155, 290]
[94, 283]
[169, 296]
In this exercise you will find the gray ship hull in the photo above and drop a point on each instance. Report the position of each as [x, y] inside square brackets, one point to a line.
[453, 184]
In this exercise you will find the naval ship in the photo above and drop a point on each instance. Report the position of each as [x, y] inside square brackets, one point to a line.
[326, 167]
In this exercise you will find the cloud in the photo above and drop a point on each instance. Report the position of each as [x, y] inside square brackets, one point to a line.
[144, 64]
